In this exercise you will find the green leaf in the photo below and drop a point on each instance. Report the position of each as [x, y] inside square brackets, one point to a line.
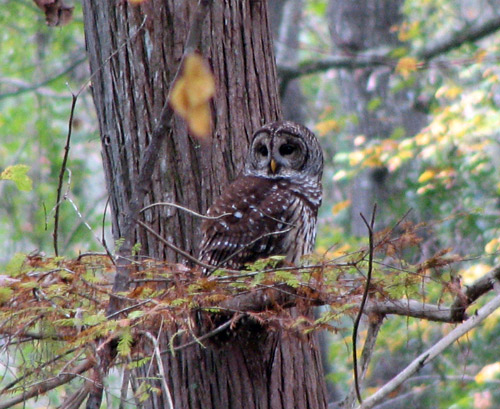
[15, 265]
[136, 314]
[17, 173]
[5, 294]
[374, 104]
[125, 343]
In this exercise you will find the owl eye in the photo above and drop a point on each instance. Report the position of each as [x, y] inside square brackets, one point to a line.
[287, 149]
[262, 150]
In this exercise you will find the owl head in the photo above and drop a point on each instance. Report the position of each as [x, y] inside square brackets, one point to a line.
[284, 149]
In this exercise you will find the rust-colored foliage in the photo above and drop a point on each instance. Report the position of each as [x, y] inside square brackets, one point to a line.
[61, 303]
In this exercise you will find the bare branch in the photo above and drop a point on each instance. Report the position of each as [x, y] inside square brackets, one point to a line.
[473, 292]
[174, 247]
[371, 247]
[177, 206]
[371, 337]
[22, 88]
[45, 386]
[161, 369]
[411, 308]
[63, 171]
[432, 353]
[459, 37]
[377, 58]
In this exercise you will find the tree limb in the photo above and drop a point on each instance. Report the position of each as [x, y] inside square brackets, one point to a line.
[472, 292]
[411, 308]
[45, 386]
[432, 353]
[382, 57]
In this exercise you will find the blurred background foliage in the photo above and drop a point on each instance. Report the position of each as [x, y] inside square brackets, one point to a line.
[42, 66]
[424, 130]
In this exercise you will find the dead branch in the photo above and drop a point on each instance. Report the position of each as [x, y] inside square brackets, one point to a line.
[411, 308]
[45, 386]
[472, 292]
[23, 87]
[379, 58]
[74, 98]
[370, 226]
[431, 353]
[374, 326]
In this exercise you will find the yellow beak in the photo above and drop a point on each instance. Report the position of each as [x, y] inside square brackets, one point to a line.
[273, 165]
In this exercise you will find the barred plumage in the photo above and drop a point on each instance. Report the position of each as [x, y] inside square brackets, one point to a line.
[272, 207]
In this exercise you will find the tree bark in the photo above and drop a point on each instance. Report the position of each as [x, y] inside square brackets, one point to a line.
[134, 52]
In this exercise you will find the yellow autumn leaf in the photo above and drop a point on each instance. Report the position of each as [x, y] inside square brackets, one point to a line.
[488, 373]
[337, 208]
[406, 66]
[492, 246]
[341, 174]
[422, 139]
[474, 272]
[426, 176]
[480, 55]
[340, 251]
[191, 95]
[356, 157]
[326, 126]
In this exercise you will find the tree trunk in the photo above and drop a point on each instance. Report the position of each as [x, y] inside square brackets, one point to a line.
[134, 53]
[357, 26]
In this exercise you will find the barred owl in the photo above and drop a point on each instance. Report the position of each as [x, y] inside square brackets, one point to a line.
[272, 206]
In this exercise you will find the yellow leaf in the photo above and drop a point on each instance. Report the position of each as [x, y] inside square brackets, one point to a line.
[492, 246]
[426, 176]
[341, 174]
[474, 272]
[488, 373]
[406, 66]
[340, 206]
[326, 126]
[191, 95]
[356, 157]
[479, 56]
[422, 139]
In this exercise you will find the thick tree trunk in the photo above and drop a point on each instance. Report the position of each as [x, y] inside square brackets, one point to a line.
[134, 53]
[357, 26]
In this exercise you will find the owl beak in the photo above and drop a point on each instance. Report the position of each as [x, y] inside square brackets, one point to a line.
[273, 165]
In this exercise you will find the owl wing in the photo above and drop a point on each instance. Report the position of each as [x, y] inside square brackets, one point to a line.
[252, 218]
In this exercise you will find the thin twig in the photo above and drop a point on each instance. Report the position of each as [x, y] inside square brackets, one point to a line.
[74, 98]
[161, 369]
[198, 340]
[246, 246]
[48, 385]
[173, 246]
[29, 373]
[371, 338]
[370, 227]
[34, 87]
[177, 206]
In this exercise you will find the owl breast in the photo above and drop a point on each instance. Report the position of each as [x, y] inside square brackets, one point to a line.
[258, 217]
